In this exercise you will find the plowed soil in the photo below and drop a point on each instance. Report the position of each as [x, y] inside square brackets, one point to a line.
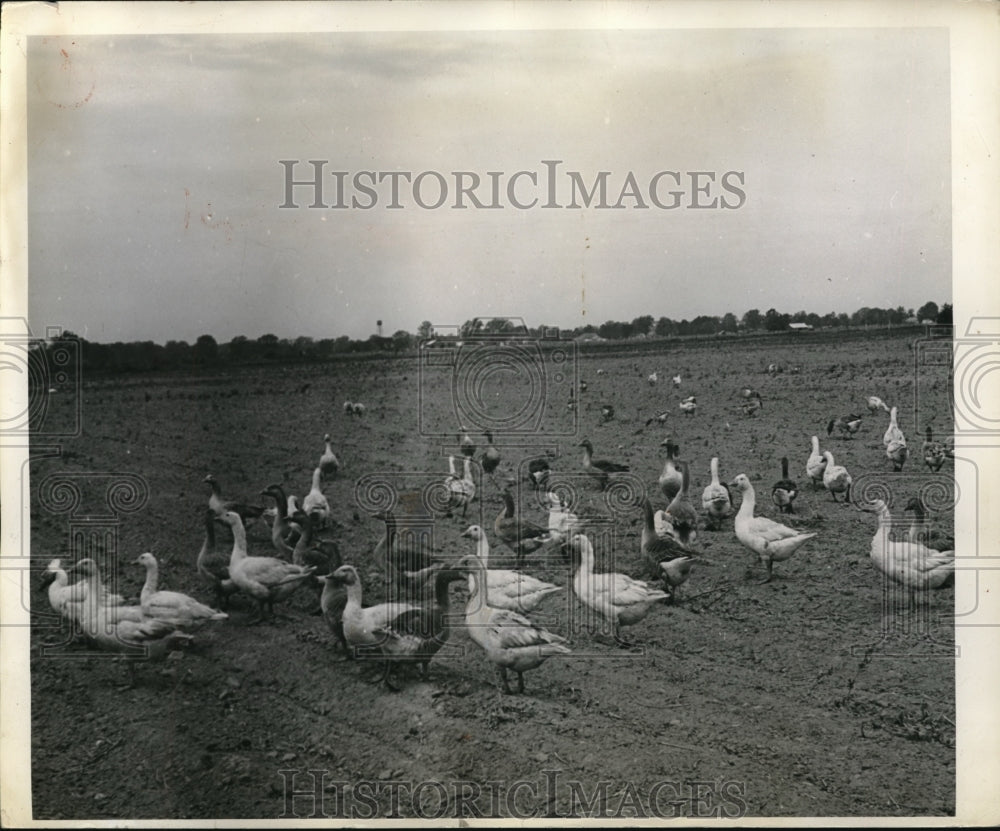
[817, 694]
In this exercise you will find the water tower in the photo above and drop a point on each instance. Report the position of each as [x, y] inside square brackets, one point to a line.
[378, 323]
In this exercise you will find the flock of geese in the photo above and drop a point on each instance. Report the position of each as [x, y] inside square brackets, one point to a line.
[416, 620]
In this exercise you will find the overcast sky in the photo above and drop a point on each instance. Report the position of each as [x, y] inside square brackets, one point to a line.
[155, 181]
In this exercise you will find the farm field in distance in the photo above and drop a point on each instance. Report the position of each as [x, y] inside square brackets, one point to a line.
[793, 698]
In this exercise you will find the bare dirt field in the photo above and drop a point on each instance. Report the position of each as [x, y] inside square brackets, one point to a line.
[804, 696]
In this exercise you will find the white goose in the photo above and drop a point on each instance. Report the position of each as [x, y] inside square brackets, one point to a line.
[329, 464]
[506, 588]
[675, 573]
[510, 640]
[911, 564]
[177, 609]
[689, 405]
[266, 579]
[770, 540]
[366, 626]
[563, 523]
[618, 598]
[315, 502]
[875, 404]
[63, 596]
[716, 499]
[896, 451]
[816, 464]
[892, 432]
[836, 479]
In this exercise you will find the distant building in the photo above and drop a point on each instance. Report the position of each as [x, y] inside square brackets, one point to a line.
[588, 336]
[800, 327]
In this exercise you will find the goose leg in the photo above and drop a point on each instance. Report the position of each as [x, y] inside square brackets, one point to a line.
[502, 673]
[387, 677]
[520, 683]
[770, 564]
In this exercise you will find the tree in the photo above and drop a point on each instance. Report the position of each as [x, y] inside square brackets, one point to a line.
[425, 330]
[665, 327]
[752, 319]
[643, 325]
[929, 311]
[774, 321]
[729, 322]
[945, 315]
[206, 350]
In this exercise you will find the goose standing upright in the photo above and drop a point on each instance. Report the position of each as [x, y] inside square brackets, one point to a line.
[220, 506]
[672, 478]
[465, 443]
[785, 490]
[267, 580]
[681, 513]
[461, 489]
[914, 566]
[284, 534]
[177, 609]
[836, 479]
[892, 432]
[619, 599]
[600, 469]
[315, 501]
[520, 535]
[770, 540]
[329, 464]
[716, 498]
[491, 458]
[213, 565]
[510, 640]
[816, 464]
[408, 558]
[505, 588]
[897, 452]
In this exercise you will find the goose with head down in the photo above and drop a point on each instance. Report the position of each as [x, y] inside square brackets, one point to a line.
[910, 564]
[875, 404]
[769, 540]
[655, 548]
[621, 600]
[845, 426]
[506, 588]
[510, 640]
[934, 452]
[784, 491]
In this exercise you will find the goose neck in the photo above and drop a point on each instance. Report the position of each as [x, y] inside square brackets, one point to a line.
[239, 542]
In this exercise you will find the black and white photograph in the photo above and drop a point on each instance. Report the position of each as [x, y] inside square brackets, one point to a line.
[457, 413]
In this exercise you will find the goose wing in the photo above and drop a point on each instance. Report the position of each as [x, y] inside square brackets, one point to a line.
[770, 530]
[510, 630]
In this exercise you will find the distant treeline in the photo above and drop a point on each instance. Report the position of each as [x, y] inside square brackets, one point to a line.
[144, 356]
